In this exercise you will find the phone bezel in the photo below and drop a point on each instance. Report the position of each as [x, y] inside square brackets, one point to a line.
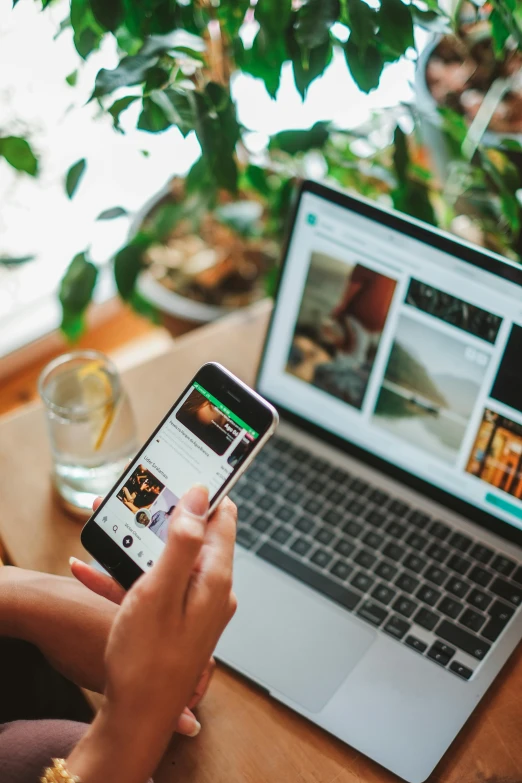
[246, 403]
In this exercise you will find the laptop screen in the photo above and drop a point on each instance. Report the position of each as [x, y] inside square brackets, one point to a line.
[404, 350]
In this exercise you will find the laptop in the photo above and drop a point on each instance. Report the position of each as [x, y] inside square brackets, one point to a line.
[379, 547]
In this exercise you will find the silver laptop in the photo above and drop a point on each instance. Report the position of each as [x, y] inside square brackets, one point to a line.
[379, 550]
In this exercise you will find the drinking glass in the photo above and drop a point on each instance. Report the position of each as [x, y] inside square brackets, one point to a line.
[91, 426]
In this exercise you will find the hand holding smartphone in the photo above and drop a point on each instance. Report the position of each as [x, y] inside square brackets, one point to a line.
[209, 436]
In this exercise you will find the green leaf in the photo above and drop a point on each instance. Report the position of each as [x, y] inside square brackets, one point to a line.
[499, 33]
[112, 213]
[511, 144]
[395, 25]
[164, 108]
[412, 198]
[87, 31]
[108, 13]
[264, 60]
[273, 15]
[256, 177]
[73, 177]
[295, 141]
[75, 293]
[365, 64]
[363, 24]
[128, 263]
[15, 260]
[199, 177]
[18, 153]
[401, 157]
[218, 131]
[151, 17]
[144, 307]
[307, 64]
[152, 117]
[314, 20]
[118, 107]
[432, 21]
[231, 16]
[72, 79]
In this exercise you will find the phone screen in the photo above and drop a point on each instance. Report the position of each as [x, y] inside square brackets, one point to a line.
[201, 441]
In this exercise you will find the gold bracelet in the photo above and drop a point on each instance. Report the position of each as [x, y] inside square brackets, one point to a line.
[58, 773]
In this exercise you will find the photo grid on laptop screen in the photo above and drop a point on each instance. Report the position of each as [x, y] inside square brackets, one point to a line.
[404, 350]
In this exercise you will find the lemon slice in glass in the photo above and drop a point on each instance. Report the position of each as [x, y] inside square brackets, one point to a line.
[97, 394]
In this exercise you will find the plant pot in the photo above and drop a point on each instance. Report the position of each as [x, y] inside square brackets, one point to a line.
[173, 305]
[431, 122]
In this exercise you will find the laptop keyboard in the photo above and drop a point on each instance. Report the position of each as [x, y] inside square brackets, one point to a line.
[394, 566]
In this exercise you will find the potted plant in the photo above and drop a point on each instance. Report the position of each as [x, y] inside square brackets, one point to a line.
[177, 62]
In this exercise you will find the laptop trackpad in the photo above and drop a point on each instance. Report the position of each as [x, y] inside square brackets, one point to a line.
[290, 639]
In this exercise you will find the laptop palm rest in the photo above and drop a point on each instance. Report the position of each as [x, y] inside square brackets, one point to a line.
[288, 638]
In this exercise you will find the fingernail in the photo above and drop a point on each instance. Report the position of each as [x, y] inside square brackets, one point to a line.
[195, 501]
[188, 725]
[73, 560]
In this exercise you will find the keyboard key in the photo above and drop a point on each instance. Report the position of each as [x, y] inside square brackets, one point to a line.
[373, 540]
[362, 582]
[301, 546]
[313, 506]
[352, 528]
[286, 513]
[262, 523]
[321, 558]
[266, 502]
[405, 606]
[517, 576]
[437, 552]
[480, 576]
[324, 535]
[463, 639]
[280, 535]
[378, 497]
[293, 494]
[478, 599]
[399, 508]
[280, 444]
[472, 620]
[481, 553]
[395, 529]
[304, 524]
[419, 519]
[407, 583]
[415, 563]
[461, 670]
[278, 464]
[441, 653]
[503, 565]
[439, 530]
[393, 551]
[458, 564]
[457, 587]
[372, 612]
[320, 582]
[450, 607]
[335, 496]
[316, 486]
[426, 619]
[246, 490]
[341, 570]
[355, 507]
[297, 475]
[383, 593]
[358, 486]
[365, 559]
[386, 571]
[274, 484]
[508, 592]
[344, 547]
[319, 465]
[416, 644]
[246, 537]
[460, 541]
[501, 614]
[333, 517]
[397, 627]
[428, 595]
[436, 575]
[341, 476]
[416, 541]
[375, 518]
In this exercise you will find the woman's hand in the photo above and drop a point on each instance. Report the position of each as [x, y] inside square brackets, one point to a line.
[165, 632]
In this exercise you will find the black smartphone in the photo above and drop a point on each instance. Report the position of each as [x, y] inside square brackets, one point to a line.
[209, 436]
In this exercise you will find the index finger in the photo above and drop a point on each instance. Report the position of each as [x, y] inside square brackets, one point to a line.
[220, 537]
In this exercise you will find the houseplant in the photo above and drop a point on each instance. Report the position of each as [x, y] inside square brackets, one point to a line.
[177, 60]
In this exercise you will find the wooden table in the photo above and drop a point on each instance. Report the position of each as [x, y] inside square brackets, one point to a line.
[246, 737]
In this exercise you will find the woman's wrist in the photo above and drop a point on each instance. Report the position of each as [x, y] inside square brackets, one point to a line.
[15, 602]
[103, 753]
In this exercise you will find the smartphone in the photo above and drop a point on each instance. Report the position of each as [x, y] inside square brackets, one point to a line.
[209, 436]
